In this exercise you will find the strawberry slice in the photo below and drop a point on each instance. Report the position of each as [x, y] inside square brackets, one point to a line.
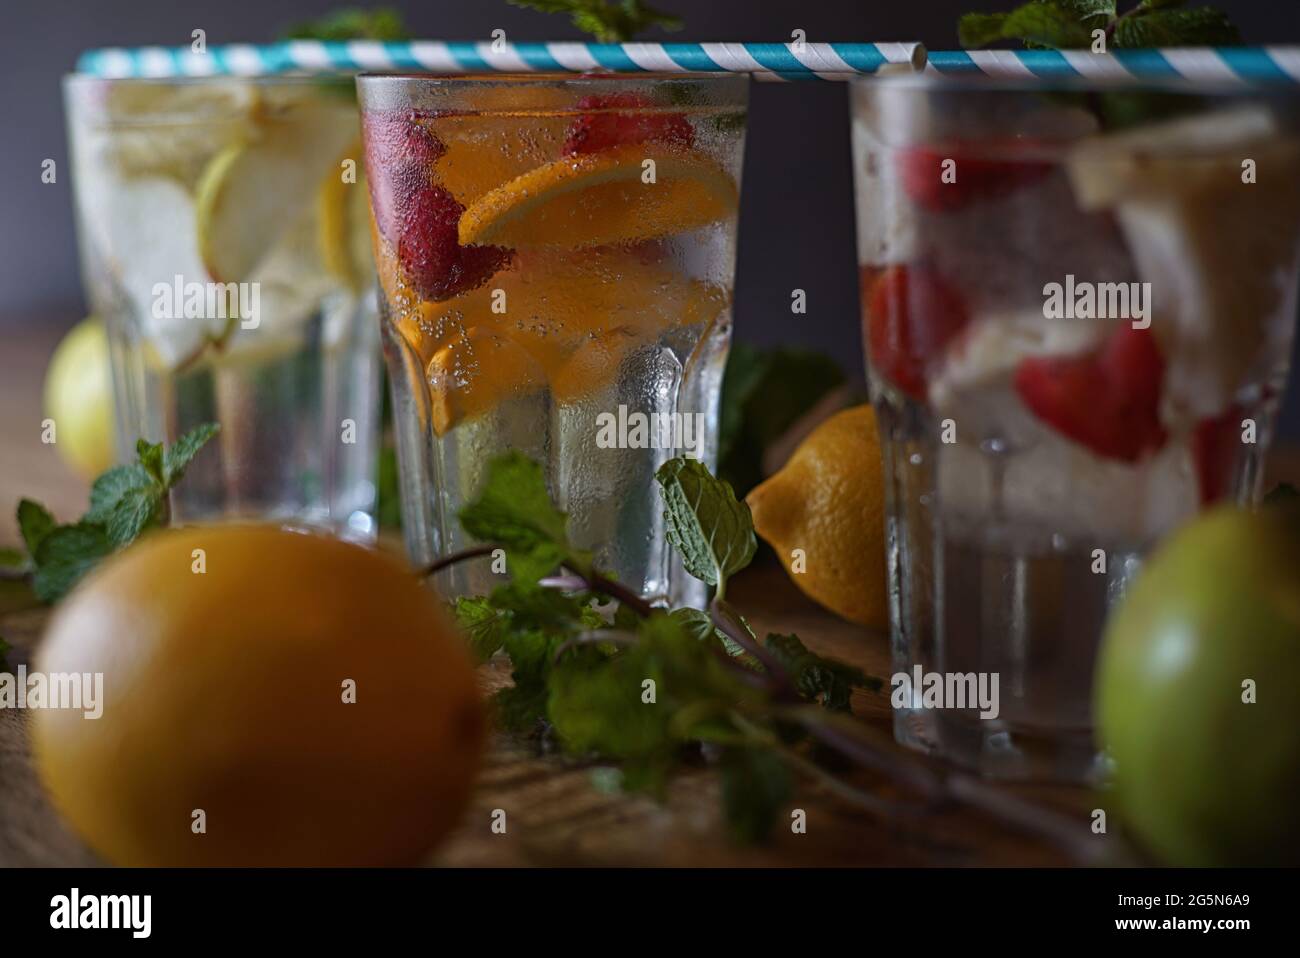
[1215, 444]
[1107, 400]
[976, 177]
[592, 132]
[417, 217]
[912, 314]
[428, 247]
[400, 153]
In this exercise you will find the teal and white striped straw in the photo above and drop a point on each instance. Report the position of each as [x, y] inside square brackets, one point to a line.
[765, 60]
[784, 61]
[1229, 65]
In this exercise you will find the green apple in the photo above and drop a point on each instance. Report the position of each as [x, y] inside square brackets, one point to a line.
[1198, 693]
[79, 398]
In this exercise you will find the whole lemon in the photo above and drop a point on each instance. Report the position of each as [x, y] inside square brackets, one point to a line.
[79, 398]
[269, 698]
[824, 514]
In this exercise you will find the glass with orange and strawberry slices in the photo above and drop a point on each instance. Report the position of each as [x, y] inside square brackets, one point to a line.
[556, 254]
[1078, 307]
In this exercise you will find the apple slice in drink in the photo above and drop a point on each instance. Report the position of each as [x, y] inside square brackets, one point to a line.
[1218, 247]
[147, 239]
[252, 191]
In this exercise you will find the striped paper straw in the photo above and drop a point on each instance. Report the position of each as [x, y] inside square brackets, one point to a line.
[787, 61]
[1229, 65]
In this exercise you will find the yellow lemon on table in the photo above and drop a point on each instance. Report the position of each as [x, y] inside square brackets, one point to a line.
[824, 514]
[79, 398]
[268, 698]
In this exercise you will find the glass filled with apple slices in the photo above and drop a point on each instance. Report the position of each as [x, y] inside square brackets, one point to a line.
[1078, 306]
[556, 255]
[224, 238]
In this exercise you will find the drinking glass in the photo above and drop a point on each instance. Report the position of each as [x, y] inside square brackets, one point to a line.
[225, 243]
[1078, 305]
[556, 255]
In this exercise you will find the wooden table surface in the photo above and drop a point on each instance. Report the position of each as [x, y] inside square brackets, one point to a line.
[556, 814]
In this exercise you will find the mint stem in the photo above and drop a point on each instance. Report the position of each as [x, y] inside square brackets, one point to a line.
[450, 560]
[595, 582]
[724, 618]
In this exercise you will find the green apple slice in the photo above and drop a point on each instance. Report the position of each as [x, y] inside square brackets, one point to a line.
[144, 234]
[252, 191]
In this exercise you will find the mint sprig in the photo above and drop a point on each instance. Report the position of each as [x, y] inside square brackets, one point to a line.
[382, 23]
[580, 675]
[125, 502]
[609, 21]
[1069, 24]
[653, 692]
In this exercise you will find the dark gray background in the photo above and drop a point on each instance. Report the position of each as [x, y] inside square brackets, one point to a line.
[797, 213]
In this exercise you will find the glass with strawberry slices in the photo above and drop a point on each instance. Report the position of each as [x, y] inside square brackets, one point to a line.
[1078, 307]
[556, 254]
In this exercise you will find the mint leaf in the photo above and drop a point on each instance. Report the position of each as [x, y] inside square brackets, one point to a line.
[600, 702]
[980, 29]
[111, 486]
[816, 678]
[1068, 24]
[1101, 11]
[596, 705]
[484, 625]
[125, 501]
[699, 625]
[65, 555]
[523, 706]
[514, 509]
[1195, 27]
[128, 499]
[383, 23]
[546, 610]
[756, 785]
[138, 509]
[150, 456]
[608, 22]
[711, 530]
[182, 452]
[34, 523]
[1046, 24]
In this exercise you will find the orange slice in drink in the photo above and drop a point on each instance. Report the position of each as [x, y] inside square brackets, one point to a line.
[482, 152]
[637, 192]
[560, 318]
[475, 371]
